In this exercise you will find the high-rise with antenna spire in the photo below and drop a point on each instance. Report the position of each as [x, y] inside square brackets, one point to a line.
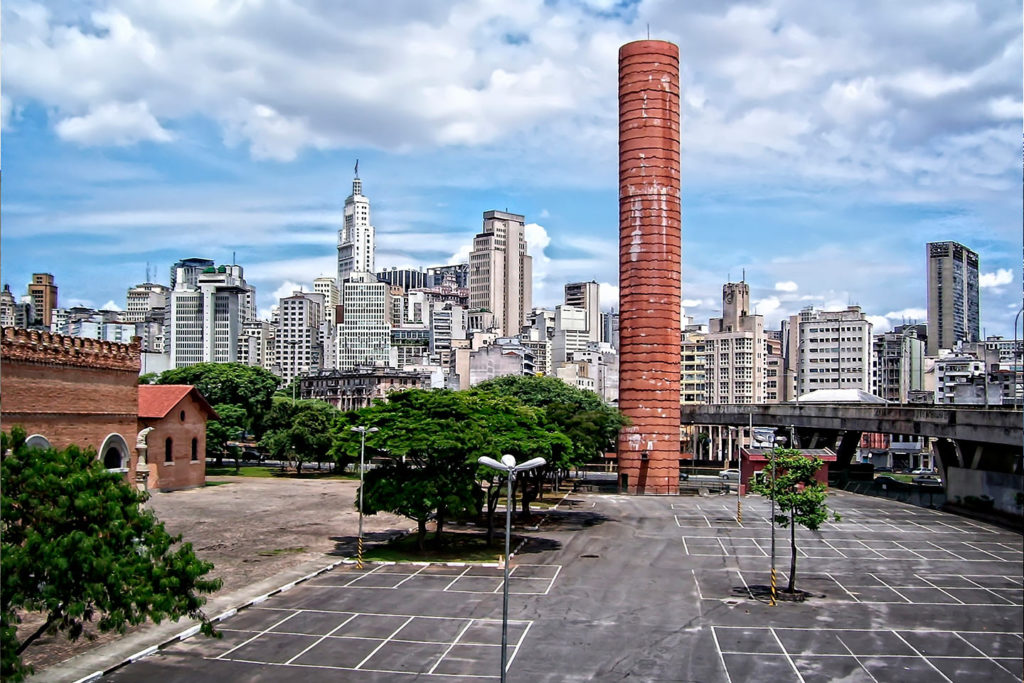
[356, 237]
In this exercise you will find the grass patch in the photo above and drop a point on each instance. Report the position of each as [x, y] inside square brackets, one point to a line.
[216, 483]
[273, 472]
[459, 547]
[280, 551]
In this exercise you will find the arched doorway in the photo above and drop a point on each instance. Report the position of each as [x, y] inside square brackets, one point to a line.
[115, 452]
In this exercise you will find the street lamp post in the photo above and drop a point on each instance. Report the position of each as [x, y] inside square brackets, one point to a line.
[363, 431]
[511, 469]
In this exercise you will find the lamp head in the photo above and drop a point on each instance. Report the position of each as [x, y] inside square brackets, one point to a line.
[530, 464]
[492, 463]
[508, 461]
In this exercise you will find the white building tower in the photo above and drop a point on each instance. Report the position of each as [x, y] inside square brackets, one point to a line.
[355, 239]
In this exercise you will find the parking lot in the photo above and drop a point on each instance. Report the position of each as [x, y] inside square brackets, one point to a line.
[652, 589]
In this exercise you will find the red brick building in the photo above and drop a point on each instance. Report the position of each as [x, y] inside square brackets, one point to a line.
[753, 460]
[71, 390]
[172, 430]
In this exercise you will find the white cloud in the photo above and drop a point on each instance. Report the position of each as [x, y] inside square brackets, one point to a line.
[767, 305]
[691, 303]
[110, 306]
[879, 323]
[1003, 276]
[608, 294]
[908, 314]
[288, 288]
[787, 286]
[5, 112]
[113, 123]
[546, 291]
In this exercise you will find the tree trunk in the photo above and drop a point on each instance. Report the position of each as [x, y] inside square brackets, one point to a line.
[440, 527]
[493, 493]
[421, 533]
[792, 552]
[38, 632]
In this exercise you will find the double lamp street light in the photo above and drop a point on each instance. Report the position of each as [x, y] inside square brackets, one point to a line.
[511, 469]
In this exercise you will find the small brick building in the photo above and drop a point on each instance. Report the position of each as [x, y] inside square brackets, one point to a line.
[172, 428]
[71, 390]
[754, 460]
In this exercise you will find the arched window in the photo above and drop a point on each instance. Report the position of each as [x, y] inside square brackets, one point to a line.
[195, 448]
[37, 441]
[112, 459]
[169, 450]
[115, 452]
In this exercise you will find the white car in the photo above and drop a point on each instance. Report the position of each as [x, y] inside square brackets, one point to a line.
[730, 474]
[923, 470]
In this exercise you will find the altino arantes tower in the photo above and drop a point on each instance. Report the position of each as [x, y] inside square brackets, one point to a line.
[650, 257]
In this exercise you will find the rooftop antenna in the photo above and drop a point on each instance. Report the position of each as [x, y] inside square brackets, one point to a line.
[233, 261]
[648, 30]
[744, 278]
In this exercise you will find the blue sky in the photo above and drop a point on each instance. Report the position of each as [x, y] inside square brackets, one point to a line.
[823, 143]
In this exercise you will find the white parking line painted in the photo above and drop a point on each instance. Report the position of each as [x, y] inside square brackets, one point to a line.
[384, 642]
[267, 630]
[926, 660]
[721, 655]
[321, 639]
[789, 659]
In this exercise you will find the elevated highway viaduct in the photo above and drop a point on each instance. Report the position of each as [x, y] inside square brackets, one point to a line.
[975, 444]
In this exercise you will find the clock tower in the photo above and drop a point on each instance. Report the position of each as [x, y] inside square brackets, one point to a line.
[735, 304]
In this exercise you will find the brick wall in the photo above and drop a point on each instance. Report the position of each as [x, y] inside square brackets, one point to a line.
[70, 390]
[184, 422]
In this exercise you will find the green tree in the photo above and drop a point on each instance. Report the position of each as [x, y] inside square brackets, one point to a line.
[148, 378]
[248, 387]
[440, 435]
[300, 432]
[591, 425]
[229, 427]
[799, 496]
[77, 545]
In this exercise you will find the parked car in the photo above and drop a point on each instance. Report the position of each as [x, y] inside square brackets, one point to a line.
[927, 480]
[730, 474]
[923, 470]
[883, 469]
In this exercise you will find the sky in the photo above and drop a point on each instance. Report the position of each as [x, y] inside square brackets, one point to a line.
[823, 143]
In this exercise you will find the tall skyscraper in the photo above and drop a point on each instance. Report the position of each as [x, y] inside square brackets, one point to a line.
[364, 336]
[501, 272]
[954, 308]
[207, 316]
[298, 344]
[585, 295]
[44, 297]
[736, 350]
[650, 262]
[356, 237]
[829, 350]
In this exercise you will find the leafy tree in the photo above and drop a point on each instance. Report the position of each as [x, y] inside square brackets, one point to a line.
[799, 496]
[300, 432]
[77, 545]
[148, 378]
[248, 387]
[440, 435]
[230, 427]
[591, 425]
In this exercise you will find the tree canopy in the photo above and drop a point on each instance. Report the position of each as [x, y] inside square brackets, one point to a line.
[245, 386]
[77, 545]
[433, 441]
[799, 496]
[591, 425]
[299, 431]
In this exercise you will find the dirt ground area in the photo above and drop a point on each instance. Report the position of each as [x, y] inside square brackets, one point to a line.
[250, 529]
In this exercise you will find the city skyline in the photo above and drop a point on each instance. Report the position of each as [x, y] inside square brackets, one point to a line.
[821, 148]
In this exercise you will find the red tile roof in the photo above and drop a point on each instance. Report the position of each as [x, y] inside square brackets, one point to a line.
[156, 400]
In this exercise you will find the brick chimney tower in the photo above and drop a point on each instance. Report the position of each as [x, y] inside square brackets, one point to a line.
[650, 258]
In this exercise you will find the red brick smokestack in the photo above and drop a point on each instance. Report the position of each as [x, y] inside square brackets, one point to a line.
[650, 254]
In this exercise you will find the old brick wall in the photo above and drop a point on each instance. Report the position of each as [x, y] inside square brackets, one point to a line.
[186, 421]
[69, 389]
[650, 258]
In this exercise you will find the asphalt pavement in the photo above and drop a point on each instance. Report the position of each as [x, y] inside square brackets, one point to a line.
[616, 587]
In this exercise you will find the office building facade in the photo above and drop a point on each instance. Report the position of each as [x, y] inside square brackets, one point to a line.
[954, 305]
